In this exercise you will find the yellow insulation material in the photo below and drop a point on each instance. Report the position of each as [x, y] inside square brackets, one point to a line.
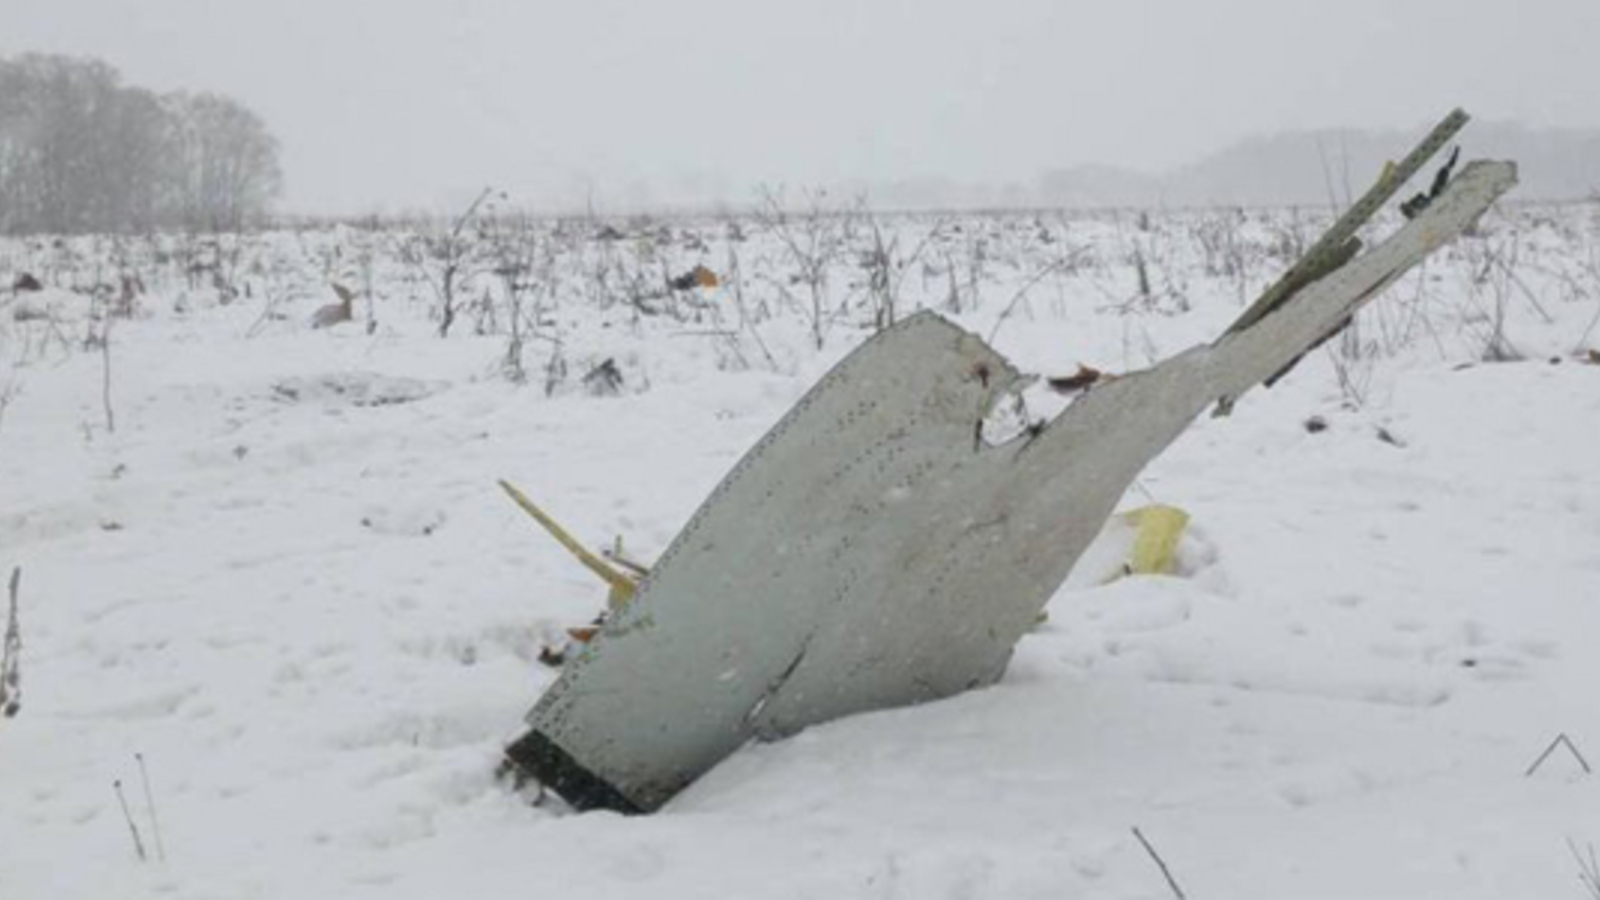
[1155, 543]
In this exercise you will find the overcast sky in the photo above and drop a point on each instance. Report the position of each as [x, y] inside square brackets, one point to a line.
[397, 103]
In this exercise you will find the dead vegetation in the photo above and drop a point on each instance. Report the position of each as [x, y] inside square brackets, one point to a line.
[750, 284]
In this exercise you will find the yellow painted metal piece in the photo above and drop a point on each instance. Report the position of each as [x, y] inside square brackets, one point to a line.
[622, 587]
[1155, 544]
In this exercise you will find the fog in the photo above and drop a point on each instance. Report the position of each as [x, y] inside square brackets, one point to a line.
[390, 104]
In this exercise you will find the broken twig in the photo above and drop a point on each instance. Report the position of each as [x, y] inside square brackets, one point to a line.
[1561, 739]
[1165, 872]
[1588, 868]
[138, 844]
[150, 808]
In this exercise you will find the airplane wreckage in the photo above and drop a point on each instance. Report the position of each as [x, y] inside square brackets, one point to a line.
[873, 551]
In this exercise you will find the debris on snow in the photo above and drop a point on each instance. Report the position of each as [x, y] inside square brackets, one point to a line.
[824, 603]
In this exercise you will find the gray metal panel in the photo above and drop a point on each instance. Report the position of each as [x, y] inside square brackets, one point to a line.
[871, 551]
[675, 681]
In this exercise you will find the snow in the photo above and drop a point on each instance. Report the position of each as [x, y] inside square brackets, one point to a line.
[288, 582]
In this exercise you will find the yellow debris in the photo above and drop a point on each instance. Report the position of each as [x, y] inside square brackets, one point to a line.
[1155, 544]
[622, 587]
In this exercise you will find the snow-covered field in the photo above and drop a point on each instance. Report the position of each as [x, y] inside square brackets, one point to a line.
[279, 576]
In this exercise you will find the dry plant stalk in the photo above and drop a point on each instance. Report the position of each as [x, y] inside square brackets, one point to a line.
[11, 655]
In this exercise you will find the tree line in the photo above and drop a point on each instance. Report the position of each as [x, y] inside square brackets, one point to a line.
[81, 152]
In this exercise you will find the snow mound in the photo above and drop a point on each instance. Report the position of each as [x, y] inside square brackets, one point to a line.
[51, 305]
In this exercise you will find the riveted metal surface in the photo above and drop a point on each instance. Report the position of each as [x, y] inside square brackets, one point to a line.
[871, 551]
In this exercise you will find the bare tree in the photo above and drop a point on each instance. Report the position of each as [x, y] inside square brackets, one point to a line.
[228, 162]
[448, 258]
[811, 238]
[80, 152]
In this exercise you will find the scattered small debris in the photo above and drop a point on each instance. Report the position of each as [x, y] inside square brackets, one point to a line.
[520, 779]
[1413, 207]
[556, 656]
[1316, 425]
[696, 277]
[622, 579]
[419, 522]
[604, 380]
[1085, 378]
[699, 276]
[618, 554]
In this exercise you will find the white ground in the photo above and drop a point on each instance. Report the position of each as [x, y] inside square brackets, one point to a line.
[317, 621]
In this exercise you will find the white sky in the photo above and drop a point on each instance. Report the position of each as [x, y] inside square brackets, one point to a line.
[395, 103]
